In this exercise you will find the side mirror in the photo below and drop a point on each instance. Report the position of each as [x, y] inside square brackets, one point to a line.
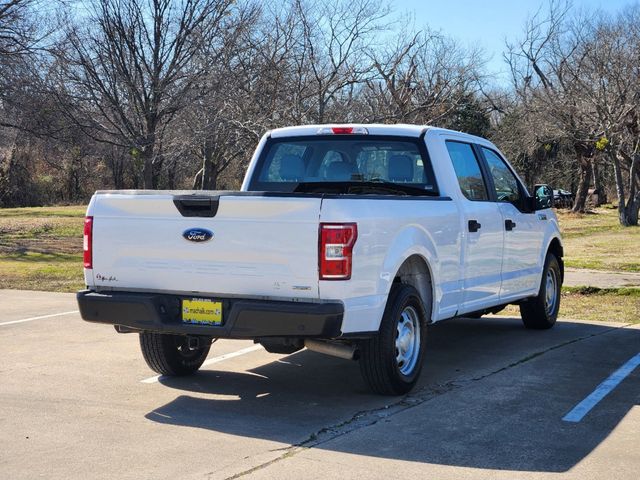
[543, 195]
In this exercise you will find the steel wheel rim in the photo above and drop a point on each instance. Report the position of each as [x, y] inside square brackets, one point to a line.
[407, 341]
[551, 292]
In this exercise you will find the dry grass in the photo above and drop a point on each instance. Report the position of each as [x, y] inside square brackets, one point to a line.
[41, 248]
[35, 271]
[43, 235]
[581, 303]
[597, 240]
[38, 212]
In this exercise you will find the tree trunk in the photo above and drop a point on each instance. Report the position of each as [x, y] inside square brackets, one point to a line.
[598, 184]
[72, 189]
[210, 178]
[171, 177]
[116, 165]
[197, 180]
[156, 170]
[633, 204]
[209, 168]
[583, 185]
[146, 155]
[322, 103]
[632, 211]
[619, 188]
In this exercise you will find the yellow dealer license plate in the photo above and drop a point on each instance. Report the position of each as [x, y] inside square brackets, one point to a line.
[202, 311]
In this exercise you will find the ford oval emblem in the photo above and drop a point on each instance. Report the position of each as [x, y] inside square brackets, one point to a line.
[198, 235]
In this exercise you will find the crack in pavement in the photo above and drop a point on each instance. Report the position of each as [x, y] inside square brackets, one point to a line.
[551, 348]
[367, 418]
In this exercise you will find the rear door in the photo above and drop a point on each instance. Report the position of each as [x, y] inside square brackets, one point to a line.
[482, 230]
[259, 246]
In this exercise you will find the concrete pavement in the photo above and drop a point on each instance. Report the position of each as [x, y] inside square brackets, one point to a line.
[577, 277]
[489, 404]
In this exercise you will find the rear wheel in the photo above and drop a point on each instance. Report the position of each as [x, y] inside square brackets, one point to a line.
[171, 354]
[541, 312]
[391, 361]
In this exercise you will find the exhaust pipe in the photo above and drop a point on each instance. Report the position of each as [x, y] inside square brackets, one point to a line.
[193, 343]
[348, 352]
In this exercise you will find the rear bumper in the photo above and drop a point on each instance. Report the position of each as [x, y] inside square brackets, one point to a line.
[241, 318]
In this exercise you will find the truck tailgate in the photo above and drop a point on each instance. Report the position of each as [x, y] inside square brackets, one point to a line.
[261, 245]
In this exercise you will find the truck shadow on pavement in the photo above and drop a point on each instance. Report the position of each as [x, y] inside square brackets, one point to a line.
[492, 395]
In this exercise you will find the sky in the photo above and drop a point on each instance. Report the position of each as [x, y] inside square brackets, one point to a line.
[487, 23]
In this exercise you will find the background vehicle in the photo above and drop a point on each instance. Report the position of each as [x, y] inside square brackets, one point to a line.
[349, 240]
[563, 198]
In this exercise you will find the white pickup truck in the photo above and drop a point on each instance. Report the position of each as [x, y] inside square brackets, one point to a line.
[349, 240]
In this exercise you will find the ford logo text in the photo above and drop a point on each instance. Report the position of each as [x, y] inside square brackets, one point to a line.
[198, 235]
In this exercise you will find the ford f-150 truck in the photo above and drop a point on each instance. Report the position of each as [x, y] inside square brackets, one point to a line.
[350, 240]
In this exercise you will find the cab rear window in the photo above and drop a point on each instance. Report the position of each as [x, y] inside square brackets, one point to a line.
[286, 163]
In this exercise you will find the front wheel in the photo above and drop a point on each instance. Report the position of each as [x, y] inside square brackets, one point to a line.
[541, 312]
[391, 361]
[171, 354]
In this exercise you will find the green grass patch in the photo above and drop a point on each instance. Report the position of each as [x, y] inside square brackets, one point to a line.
[602, 265]
[38, 228]
[41, 248]
[62, 273]
[27, 212]
[588, 290]
[595, 304]
[597, 241]
[17, 229]
[32, 235]
[599, 220]
[38, 257]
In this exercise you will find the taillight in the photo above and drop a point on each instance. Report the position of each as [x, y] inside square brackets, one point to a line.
[336, 250]
[87, 242]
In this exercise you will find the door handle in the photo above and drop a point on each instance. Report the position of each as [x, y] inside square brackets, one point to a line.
[474, 226]
[509, 225]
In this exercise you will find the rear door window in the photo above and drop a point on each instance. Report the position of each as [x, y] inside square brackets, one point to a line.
[468, 172]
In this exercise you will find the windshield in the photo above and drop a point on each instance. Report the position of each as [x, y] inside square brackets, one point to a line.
[286, 165]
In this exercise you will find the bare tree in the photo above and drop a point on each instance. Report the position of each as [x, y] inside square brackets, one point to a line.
[22, 31]
[133, 66]
[207, 133]
[610, 93]
[422, 77]
[19, 32]
[175, 93]
[544, 66]
[332, 59]
[298, 63]
[578, 76]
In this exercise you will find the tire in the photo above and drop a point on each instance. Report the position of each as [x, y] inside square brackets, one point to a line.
[170, 355]
[403, 329]
[541, 312]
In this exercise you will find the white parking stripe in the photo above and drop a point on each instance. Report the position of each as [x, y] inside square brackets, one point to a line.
[580, 410]
[213, 360]
[38, 318]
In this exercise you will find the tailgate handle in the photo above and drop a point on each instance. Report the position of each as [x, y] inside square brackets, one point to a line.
[192, 206]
